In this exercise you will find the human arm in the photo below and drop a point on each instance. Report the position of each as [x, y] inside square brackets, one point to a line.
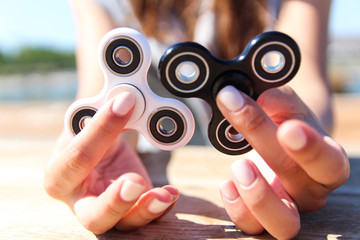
[306, 21]
[91, 23]
[101, 179]
[297, 167]
[96, 173]
[298, 163]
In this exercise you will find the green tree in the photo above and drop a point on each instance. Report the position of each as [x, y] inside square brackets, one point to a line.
[36, 60]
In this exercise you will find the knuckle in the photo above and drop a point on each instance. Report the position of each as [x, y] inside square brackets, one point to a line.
[259, 203]
[338, 170]
[312, 204]
[52, 186]
[108, 125]
[319, 204]
[239, 215]
[316, 204]
[247, 223]
[251, 230]
[289, 232]
[254, 120]
[338, 175]
[105, 128]
[92, 226]
[341, 171]
[51, 189]
[346, 173]
[78, 160]
[59, 184]
[114, 210]
[55, 189]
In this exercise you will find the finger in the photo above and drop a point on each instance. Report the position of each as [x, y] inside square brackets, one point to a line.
[279, 216]
[150, 206]
[99, 214]
[175, 197]
[70, 167]
[321, 157]
[237, 209]
[283, 103]
[246, 116]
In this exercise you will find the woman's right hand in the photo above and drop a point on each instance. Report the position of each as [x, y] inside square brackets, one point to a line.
[297, 166]
[101, 178]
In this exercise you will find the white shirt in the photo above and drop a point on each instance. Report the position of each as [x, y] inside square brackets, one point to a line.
[122, 14]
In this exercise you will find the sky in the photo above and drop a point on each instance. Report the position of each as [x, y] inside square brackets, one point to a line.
[49, 23]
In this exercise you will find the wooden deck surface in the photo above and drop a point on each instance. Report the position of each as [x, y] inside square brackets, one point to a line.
[27, 136]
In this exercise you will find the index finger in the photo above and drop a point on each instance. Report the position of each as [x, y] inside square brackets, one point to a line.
[247, 117]
[69, 167]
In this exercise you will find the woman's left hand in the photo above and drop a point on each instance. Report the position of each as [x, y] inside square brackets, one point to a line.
[303, 164]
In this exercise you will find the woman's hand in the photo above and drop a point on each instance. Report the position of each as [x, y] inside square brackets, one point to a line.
[101, 178]
[303, 163]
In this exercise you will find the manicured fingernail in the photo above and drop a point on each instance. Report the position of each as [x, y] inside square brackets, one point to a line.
[173, 191]
[243, 172]
[157, 206]
[131, 191]
[293, 136]
[231, 98]
[228, 190]
[123, 103]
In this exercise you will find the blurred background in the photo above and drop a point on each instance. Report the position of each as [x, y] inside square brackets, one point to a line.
[38, 77]
[37, 41]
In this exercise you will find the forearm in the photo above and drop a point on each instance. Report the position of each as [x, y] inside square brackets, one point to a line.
[92, 22]
[307, 22]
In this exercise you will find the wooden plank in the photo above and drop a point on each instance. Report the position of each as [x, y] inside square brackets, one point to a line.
[28, 213]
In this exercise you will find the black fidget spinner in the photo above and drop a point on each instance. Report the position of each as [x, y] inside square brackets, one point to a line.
[188, 69]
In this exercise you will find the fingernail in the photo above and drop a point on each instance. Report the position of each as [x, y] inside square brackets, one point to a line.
[123, 103]
[131, 191]
[228, 190]
[243, 172]
[173, 191]
[157, 206]
[293, 136]
[231, 98]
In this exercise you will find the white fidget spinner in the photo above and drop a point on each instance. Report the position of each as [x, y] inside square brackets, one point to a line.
[125, 57]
